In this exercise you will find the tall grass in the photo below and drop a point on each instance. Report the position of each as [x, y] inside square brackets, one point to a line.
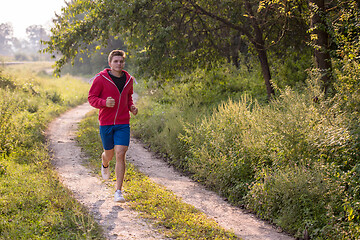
[293, 161]
[33, 203]
[288, 159]
[166, 108]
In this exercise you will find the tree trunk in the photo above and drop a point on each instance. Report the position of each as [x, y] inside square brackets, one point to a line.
[259, 44]
[262, 55]
[321, 42]
[266, 72]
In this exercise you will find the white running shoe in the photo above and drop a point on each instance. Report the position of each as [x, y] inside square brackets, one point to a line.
[119, 197]
[105, 172]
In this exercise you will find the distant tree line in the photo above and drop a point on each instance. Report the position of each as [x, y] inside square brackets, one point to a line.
[23, 49]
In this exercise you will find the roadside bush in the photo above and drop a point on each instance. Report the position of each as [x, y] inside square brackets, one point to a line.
[229, 150]
[164, 110]
[8, 133]
[301, 145]
[299, 198]
[219, 148]
[6, 82]
[54, 97]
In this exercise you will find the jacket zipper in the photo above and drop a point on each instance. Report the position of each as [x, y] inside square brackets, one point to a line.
[117, 110]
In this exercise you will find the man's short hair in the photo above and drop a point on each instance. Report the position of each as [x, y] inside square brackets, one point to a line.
[116, 53]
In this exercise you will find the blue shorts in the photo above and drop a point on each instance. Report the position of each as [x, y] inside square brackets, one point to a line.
[112, 135]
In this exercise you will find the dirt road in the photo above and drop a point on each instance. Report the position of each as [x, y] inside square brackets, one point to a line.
[117, 219]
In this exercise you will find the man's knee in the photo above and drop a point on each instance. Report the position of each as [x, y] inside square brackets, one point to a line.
[108, 154]
[120, 151]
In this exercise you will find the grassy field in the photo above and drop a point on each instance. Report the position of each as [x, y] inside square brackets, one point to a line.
[33, 203]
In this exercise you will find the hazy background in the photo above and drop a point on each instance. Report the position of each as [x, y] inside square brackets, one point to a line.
[23, 24]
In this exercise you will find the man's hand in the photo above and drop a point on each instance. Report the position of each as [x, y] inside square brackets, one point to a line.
[133, 109]
[110, 102]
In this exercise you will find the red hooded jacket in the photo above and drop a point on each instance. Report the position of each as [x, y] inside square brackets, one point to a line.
[102, 88]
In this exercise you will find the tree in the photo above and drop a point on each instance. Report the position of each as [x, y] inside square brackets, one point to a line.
[321, 43]
[6, 35]
[84, 64]
[174, 35]
[36, 34]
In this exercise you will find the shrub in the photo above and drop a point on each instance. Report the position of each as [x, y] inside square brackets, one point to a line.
[54, 96]
[219, 150]
[6, 83]
[2, 169]
[229, 150]
[8, 133]
[299, 197]
[227, 139]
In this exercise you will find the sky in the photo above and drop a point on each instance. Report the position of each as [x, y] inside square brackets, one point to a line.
[24, 13]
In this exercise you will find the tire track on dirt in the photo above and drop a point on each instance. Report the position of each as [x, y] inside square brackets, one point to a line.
[118, 220]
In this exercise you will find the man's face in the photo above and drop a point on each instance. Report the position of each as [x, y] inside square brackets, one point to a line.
[117, 63]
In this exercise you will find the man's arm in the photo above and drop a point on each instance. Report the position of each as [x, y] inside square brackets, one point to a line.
[94, 95]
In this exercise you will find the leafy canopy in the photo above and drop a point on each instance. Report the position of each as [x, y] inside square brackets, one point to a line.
[169, 36]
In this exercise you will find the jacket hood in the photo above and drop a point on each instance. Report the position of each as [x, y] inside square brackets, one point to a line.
[105, 73]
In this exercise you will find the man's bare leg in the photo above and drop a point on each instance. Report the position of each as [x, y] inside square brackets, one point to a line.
[120, 167]
[106, 157]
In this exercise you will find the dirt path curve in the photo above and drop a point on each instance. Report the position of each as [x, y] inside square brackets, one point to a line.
[117, 219]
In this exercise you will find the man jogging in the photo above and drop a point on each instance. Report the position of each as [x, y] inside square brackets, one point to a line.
[111, 92]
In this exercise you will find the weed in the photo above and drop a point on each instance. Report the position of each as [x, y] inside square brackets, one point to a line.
[2, 169]
[6, 83]
[298, 198]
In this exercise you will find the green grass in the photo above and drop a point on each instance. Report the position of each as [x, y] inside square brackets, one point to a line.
[33, 202]
[177, 219]
[293, 161]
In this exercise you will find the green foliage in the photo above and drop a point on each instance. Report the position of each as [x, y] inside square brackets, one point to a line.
[7, 109]
[84, 64]
[54, 97]
[174, 36]
[33, 203]
[218, 150]
[2, 169]
[165, 109]
[6, 83]
[293, 137]
[300, 197]
[291, 67]
[237, 145]
[345, 31]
